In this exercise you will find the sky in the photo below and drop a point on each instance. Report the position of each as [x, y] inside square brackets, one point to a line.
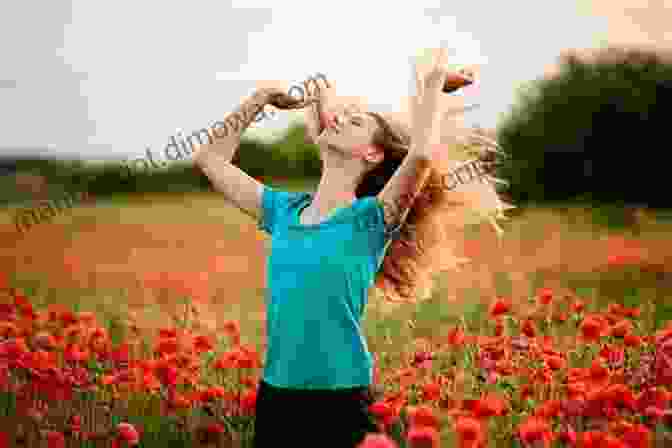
[96, 79]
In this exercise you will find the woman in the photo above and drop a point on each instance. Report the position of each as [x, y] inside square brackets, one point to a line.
[378, 185]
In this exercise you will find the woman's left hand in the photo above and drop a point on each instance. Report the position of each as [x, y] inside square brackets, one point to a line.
[426, 112]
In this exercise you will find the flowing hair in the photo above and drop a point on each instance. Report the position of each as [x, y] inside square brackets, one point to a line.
[426, 243]
[427, 240]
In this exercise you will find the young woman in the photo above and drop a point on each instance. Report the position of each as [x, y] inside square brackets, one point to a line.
[378, 187]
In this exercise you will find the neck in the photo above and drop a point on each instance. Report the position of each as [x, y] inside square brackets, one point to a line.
[337, 185]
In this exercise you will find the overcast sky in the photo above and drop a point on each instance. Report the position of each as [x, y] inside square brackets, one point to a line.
[100, 79]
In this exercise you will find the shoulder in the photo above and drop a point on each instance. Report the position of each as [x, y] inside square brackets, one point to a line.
[370, 212]
[376, 214]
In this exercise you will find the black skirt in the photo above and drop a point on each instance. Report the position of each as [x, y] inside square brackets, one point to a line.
[311, 418]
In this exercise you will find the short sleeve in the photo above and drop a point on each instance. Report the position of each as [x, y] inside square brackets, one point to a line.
[275, 205]
[373, 219]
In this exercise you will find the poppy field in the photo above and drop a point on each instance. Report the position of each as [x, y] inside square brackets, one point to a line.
[582, 358]
[516, 382]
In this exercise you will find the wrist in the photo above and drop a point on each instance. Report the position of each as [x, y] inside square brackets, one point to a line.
[261, 96]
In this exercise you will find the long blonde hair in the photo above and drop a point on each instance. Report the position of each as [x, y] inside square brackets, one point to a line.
[427, 240]
[426, 243]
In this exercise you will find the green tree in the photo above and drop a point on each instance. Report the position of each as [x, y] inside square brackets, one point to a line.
[595, 131]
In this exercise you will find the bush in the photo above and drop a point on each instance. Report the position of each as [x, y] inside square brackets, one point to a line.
[581, 134]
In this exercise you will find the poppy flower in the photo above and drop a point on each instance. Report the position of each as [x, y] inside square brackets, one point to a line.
[4, 281]
[128, 434]
[422, 416]
[202, 344]
[423, 437]
[528, 328]
[621, 328]
[55, 439]
[568, 437]
[488, 406]
[638, 436]
[555, 362]
[381, 409]
[578, 306]
[377, 441]
[470, 433]
[545, 296]
[598, 375]
[248, 401]
[431, 391]
[499, 307]
[631, 340]
[535, 429]
[549, 409]
[456, 337]
[593, 327]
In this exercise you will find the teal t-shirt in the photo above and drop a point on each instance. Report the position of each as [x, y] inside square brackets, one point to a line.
[318, 281]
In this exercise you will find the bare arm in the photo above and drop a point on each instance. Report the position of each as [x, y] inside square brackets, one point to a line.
[214, 158]
[409, 179]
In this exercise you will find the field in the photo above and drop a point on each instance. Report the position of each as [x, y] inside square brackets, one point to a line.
[131, 261]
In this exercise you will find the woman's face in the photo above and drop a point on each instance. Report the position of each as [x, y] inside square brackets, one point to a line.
[349, 130]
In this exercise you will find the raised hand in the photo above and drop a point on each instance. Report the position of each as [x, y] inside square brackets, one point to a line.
[282, 100]
[426, 113]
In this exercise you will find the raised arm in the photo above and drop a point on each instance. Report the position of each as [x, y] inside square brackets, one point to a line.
[214, 158]
[399, 193]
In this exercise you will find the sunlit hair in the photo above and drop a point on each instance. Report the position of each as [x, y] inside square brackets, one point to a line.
[426, 244]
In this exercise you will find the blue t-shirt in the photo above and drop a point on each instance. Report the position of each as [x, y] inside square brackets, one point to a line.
[319, 277]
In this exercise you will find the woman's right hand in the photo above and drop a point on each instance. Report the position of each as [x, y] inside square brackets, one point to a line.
[282, 100]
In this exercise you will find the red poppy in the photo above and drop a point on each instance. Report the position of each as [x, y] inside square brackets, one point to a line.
[423, 437]
[377, 441]
[499, 307]
[248, 401]
[535, 429]
[621, 328]
[470, 433]
[598, 375]
[555, 362]
[456, 337]
[578, 306]
[422, 416]
[4, 281]
[549, 409]
[631, 340]
[55, 439]
[638, 436]
[128, 434]
[593, 327]
[545, 296]
[431, 391]
[202, 344]
[528, 328]
[489, 405]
